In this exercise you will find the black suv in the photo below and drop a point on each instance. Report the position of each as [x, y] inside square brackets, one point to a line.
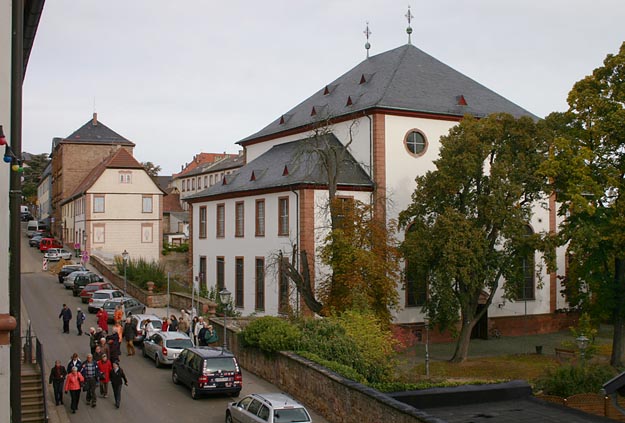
[208, 370]
[83, 280]
[70, 268]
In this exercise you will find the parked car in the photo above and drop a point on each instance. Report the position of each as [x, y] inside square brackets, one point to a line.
[56, 254]
[33, 226]
[46, 243]
[207, 370]
[139, 320]
[164, 347]
[89, 289]
[25, 216]
[98, 298]
[129, 305]
[84, 279]
[34, 241]
[68, 282]
[267, 408]
[70, 268]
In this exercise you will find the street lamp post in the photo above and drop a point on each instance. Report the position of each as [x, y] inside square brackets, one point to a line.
[426, 322]
[582, 343]
[125, 258]
[224, 297]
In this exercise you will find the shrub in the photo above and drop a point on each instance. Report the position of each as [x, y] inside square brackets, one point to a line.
[141, 271]
[271, 334]
[568, 380]
[339, 368]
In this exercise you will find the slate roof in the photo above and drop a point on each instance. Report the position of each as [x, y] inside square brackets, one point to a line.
[201, 159]
[290, 164]
[229, 162]
[120, 159]
[404, 79]
[96, 132]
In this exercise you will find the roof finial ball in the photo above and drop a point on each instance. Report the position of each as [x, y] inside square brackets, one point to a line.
[409, 16]
[367, 32]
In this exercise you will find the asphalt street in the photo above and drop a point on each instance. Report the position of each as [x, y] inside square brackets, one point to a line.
[150, 395]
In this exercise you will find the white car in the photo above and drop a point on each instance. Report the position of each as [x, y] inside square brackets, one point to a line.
[164, 347]
[56, 254]
[267, 408]
[98, 298]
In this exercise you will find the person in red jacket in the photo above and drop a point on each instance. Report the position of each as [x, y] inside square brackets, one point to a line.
[72, 385]
[105, 368]
[103, 318]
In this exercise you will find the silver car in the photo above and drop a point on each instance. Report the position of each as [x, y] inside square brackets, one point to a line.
[164, 347]
[129, 306]
[98, 298]
[267, 408]
[139, 321]
[68, 282]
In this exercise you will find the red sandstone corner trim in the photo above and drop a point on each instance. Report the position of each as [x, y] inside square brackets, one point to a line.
[7, 324]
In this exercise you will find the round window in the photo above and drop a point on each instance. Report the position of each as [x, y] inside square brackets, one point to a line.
[415, 143]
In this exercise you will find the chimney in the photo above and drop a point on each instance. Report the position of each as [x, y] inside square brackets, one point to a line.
[95, 119]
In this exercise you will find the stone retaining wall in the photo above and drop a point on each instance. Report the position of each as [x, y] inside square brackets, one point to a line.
[181, 300]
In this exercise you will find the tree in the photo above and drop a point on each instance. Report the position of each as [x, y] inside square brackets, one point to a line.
[587, 166]
[467, 223]
[151, 169]
[32, 174]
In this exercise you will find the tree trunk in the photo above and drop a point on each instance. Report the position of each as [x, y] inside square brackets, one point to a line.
[462, 346]
[618, 340]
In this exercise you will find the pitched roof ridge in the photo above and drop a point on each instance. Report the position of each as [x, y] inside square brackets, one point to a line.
[115, 160]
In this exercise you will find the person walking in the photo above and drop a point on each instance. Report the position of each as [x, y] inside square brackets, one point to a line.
[114, 347]
[103, 318]
[199, 325]
[74, 362]
[173, 326]
[66, 315]
[201, 335]
[129, 333]
[93, 342]
[104, 365]
[80, 319]
[73, 383]
[183, 325]
[57, 380]
[210, 336]
[90, 372]
[117, 376]
[118, 314]
[104, 348]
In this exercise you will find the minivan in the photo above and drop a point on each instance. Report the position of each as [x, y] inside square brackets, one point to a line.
[208, 370]
[46, 243]
[33, 226]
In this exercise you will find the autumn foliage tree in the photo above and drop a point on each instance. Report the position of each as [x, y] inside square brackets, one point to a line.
[467, 223]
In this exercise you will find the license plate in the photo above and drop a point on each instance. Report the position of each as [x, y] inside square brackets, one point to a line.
[222, 379]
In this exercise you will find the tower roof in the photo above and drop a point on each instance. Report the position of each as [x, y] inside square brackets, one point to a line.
[403, 79]
[96, 132]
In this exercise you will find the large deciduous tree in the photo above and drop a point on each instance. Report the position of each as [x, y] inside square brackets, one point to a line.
[32, 174]
[467, 223]
[588, 171]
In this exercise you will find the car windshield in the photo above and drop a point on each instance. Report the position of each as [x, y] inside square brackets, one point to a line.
[91, 288]
[179, 343]
[157, 324]
[101, 295]
[110, 304]
[215, 364]
[290, 415]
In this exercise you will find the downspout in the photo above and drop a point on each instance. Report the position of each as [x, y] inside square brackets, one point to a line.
[298, 245]
[15, 196]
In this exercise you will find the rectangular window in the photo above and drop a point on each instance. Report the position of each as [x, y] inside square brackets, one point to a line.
[125, 177]
[283, 216]
[283, 288]
[193, 184]
[211, 180]
[238, 282]
[260, 217]
[344, 207]
[239, 219]
[205, 181]
[260, 283]
[221, 220]
[98, 204]
[202, 275]
[203, 222]
[147, 204]
[99, 233]
[416, 288]
[221, 275]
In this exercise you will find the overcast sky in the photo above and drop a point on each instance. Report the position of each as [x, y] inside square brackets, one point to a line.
[182, 77]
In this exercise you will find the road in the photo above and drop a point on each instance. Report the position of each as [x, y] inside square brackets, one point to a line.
[150, 397]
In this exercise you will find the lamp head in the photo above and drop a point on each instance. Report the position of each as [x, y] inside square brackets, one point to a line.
[224, 296]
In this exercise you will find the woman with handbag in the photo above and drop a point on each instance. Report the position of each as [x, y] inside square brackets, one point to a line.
[73, 383]
[105, 368]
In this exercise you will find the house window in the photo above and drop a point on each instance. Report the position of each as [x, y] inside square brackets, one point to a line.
[202, 275]
[260, 217]
[98, 204]
[283, 287]
[344, 208]
[526, 287]
[283, 216]
[238, 282]
[183, 187]
[211, 180]
[239, 219]
[147, 233]
[99, 233]
[125, 177]
[221, 220]
[203, 222]
[188, 185]
[260, 283]
[147, 204]
[193, 184]
[221, 275]
[415, 143]
[205, 181]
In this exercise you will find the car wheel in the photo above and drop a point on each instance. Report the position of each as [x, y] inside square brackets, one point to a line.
[157, 362]
[235, 394]
[228, 417]
[174, 377]
[194, 392]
